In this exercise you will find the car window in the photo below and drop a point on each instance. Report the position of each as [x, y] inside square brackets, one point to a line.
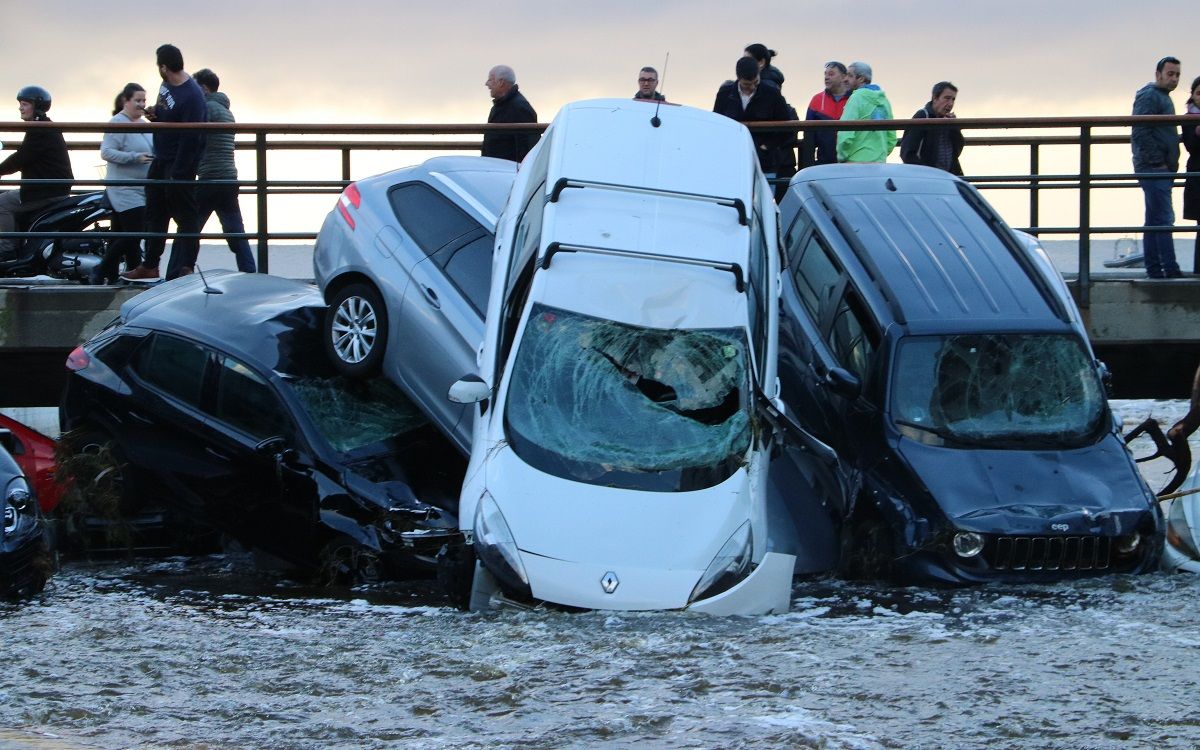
[795, 237]
[246, 402]
[469, 268]
[428, 216]
[852, 337]
[816, 276]
[174, 366]
[757, 289]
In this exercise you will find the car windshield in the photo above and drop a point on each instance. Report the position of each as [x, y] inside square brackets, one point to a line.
[352, 414]
[606, 403]
[999, 390]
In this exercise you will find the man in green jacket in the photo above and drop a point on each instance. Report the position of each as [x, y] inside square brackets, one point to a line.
[867, 102]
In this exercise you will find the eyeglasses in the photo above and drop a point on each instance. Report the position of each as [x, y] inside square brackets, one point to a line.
[647, 80]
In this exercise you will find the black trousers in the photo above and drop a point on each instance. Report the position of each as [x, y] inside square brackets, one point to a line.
[165, 202]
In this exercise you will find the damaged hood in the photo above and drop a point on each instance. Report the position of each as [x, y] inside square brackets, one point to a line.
[1092, 490]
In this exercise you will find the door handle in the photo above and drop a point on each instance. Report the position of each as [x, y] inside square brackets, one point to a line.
[215, 453]
[431, 295]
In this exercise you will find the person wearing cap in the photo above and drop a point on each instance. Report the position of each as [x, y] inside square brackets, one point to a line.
[42, 155]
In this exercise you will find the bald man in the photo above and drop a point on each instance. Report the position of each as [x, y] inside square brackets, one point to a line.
[508, 105]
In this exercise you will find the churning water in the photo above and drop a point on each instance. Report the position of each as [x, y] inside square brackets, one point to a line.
[208, 653]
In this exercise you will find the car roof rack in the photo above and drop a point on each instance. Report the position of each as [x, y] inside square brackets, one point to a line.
[735, 203]
[559, 247]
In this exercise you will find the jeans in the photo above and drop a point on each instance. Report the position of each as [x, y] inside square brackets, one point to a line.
[1158, 246]
[166, 202]
[224, 200]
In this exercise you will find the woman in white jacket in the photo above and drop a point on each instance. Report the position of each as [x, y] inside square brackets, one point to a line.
[128, 155]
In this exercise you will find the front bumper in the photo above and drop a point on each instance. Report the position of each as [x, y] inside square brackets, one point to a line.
[767, 590]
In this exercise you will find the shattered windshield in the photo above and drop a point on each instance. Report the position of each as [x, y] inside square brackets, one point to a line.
[1000, 390]
[352, 414]
[606, 403]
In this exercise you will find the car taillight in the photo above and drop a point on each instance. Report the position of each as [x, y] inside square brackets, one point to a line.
[350, 198]
[78, 359]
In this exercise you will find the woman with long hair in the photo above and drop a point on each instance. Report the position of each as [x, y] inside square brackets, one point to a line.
[128, 155]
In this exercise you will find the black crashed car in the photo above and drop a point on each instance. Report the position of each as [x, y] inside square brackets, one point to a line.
[955, 416]
[214, 398]
[24, 553]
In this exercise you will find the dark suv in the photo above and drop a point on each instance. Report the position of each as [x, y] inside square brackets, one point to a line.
[942, 359]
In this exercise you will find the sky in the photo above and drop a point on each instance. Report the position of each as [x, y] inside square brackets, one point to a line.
[370, 61]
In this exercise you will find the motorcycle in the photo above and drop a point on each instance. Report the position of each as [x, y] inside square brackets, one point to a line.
[67, 258]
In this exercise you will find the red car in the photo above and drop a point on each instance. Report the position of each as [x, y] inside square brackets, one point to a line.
[35, 455]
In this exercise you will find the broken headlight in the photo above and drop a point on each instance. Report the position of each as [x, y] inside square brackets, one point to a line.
[1179, 531]
[729, 567]
[497, 549]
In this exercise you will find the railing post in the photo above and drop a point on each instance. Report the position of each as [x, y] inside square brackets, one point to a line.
[260, 160]
[1034, 219]
[346, 164]
[1085, 216]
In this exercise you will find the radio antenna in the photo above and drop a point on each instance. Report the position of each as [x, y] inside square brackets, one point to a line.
[207, 289]
[662, 86]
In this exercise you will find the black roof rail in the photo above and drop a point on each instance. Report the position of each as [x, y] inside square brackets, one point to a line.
[735, 203]
[846, 229]
[1006, 237]
[558, 247]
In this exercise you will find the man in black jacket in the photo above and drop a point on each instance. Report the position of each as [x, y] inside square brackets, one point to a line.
[935, 147]
[42, 155]
[508, 105]
[745, 100]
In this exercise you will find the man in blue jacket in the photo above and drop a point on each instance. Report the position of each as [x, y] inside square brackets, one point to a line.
[1155, 160]
[177, 155]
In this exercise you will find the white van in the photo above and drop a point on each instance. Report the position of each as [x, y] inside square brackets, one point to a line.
[618, 460]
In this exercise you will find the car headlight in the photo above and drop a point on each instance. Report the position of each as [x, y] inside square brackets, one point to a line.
[497, 549]
[18, 502]
[1179, 532]
[729, 567]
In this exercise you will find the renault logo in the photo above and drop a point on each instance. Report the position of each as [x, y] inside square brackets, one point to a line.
[609, 582]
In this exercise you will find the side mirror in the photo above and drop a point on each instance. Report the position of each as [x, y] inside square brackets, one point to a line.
[469, 389]
[844, 383]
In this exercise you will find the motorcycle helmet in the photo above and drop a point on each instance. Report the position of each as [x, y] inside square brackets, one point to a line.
[37, 96]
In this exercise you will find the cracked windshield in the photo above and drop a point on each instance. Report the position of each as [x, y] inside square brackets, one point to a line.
[607, 403]
[353, 414]
[997, 388]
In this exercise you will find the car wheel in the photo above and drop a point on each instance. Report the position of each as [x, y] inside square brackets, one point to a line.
[867, 551]
[345, 562]
[356, 329]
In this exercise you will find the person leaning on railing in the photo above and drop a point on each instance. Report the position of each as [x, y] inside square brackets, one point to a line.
[1156, 160]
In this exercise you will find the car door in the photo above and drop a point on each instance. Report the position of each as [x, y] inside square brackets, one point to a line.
[257, 494]
[163, 420]
[443, 317]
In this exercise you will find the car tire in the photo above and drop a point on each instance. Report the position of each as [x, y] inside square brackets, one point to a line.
[345, 562]
[867, 551]
[356, 330]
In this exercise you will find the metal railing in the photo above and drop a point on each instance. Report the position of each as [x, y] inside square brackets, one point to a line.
[349, 140]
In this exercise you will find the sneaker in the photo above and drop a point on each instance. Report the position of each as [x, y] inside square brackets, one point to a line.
[141, 273]
[1173, 274]
[185, 271]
